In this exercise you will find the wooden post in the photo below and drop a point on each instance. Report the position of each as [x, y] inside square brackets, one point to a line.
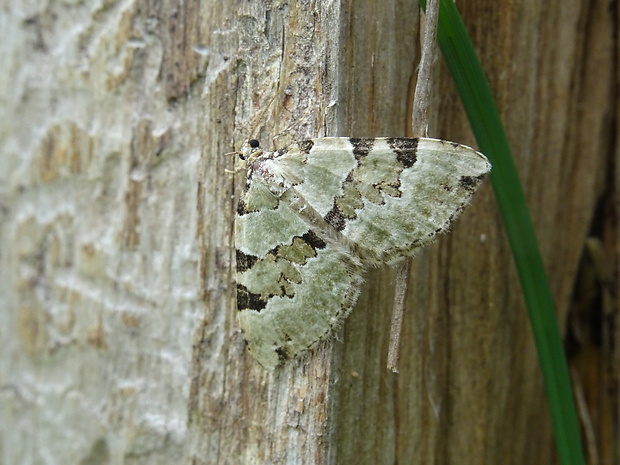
[118, 332]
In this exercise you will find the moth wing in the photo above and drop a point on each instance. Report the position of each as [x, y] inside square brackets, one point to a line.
[387, 197]
[293, 287]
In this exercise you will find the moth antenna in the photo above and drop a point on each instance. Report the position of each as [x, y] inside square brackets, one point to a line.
[257, 119]
[289, 129]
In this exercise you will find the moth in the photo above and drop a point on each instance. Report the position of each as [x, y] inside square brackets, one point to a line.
[315, 215]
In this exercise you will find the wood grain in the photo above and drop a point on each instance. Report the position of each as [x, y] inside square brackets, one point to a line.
[118, 333]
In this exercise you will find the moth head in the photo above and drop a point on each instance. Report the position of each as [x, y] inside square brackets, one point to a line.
[250, 150]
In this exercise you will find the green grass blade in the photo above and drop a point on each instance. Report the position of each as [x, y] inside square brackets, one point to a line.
[486, 124]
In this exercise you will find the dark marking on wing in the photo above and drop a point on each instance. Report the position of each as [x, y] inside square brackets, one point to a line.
[305, 146]
[241, 208]
[300, 249]
[335, 218]
[405, 149]
[283, 354]
[469, 183]
[285, 259]
[345, 204]
[249, 300]
[244, 261]
[313, 240]
[361, 146]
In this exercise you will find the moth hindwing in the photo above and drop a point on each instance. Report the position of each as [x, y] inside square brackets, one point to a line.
[316, 214]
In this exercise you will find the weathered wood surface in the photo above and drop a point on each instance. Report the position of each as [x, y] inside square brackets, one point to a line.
[118, 338]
